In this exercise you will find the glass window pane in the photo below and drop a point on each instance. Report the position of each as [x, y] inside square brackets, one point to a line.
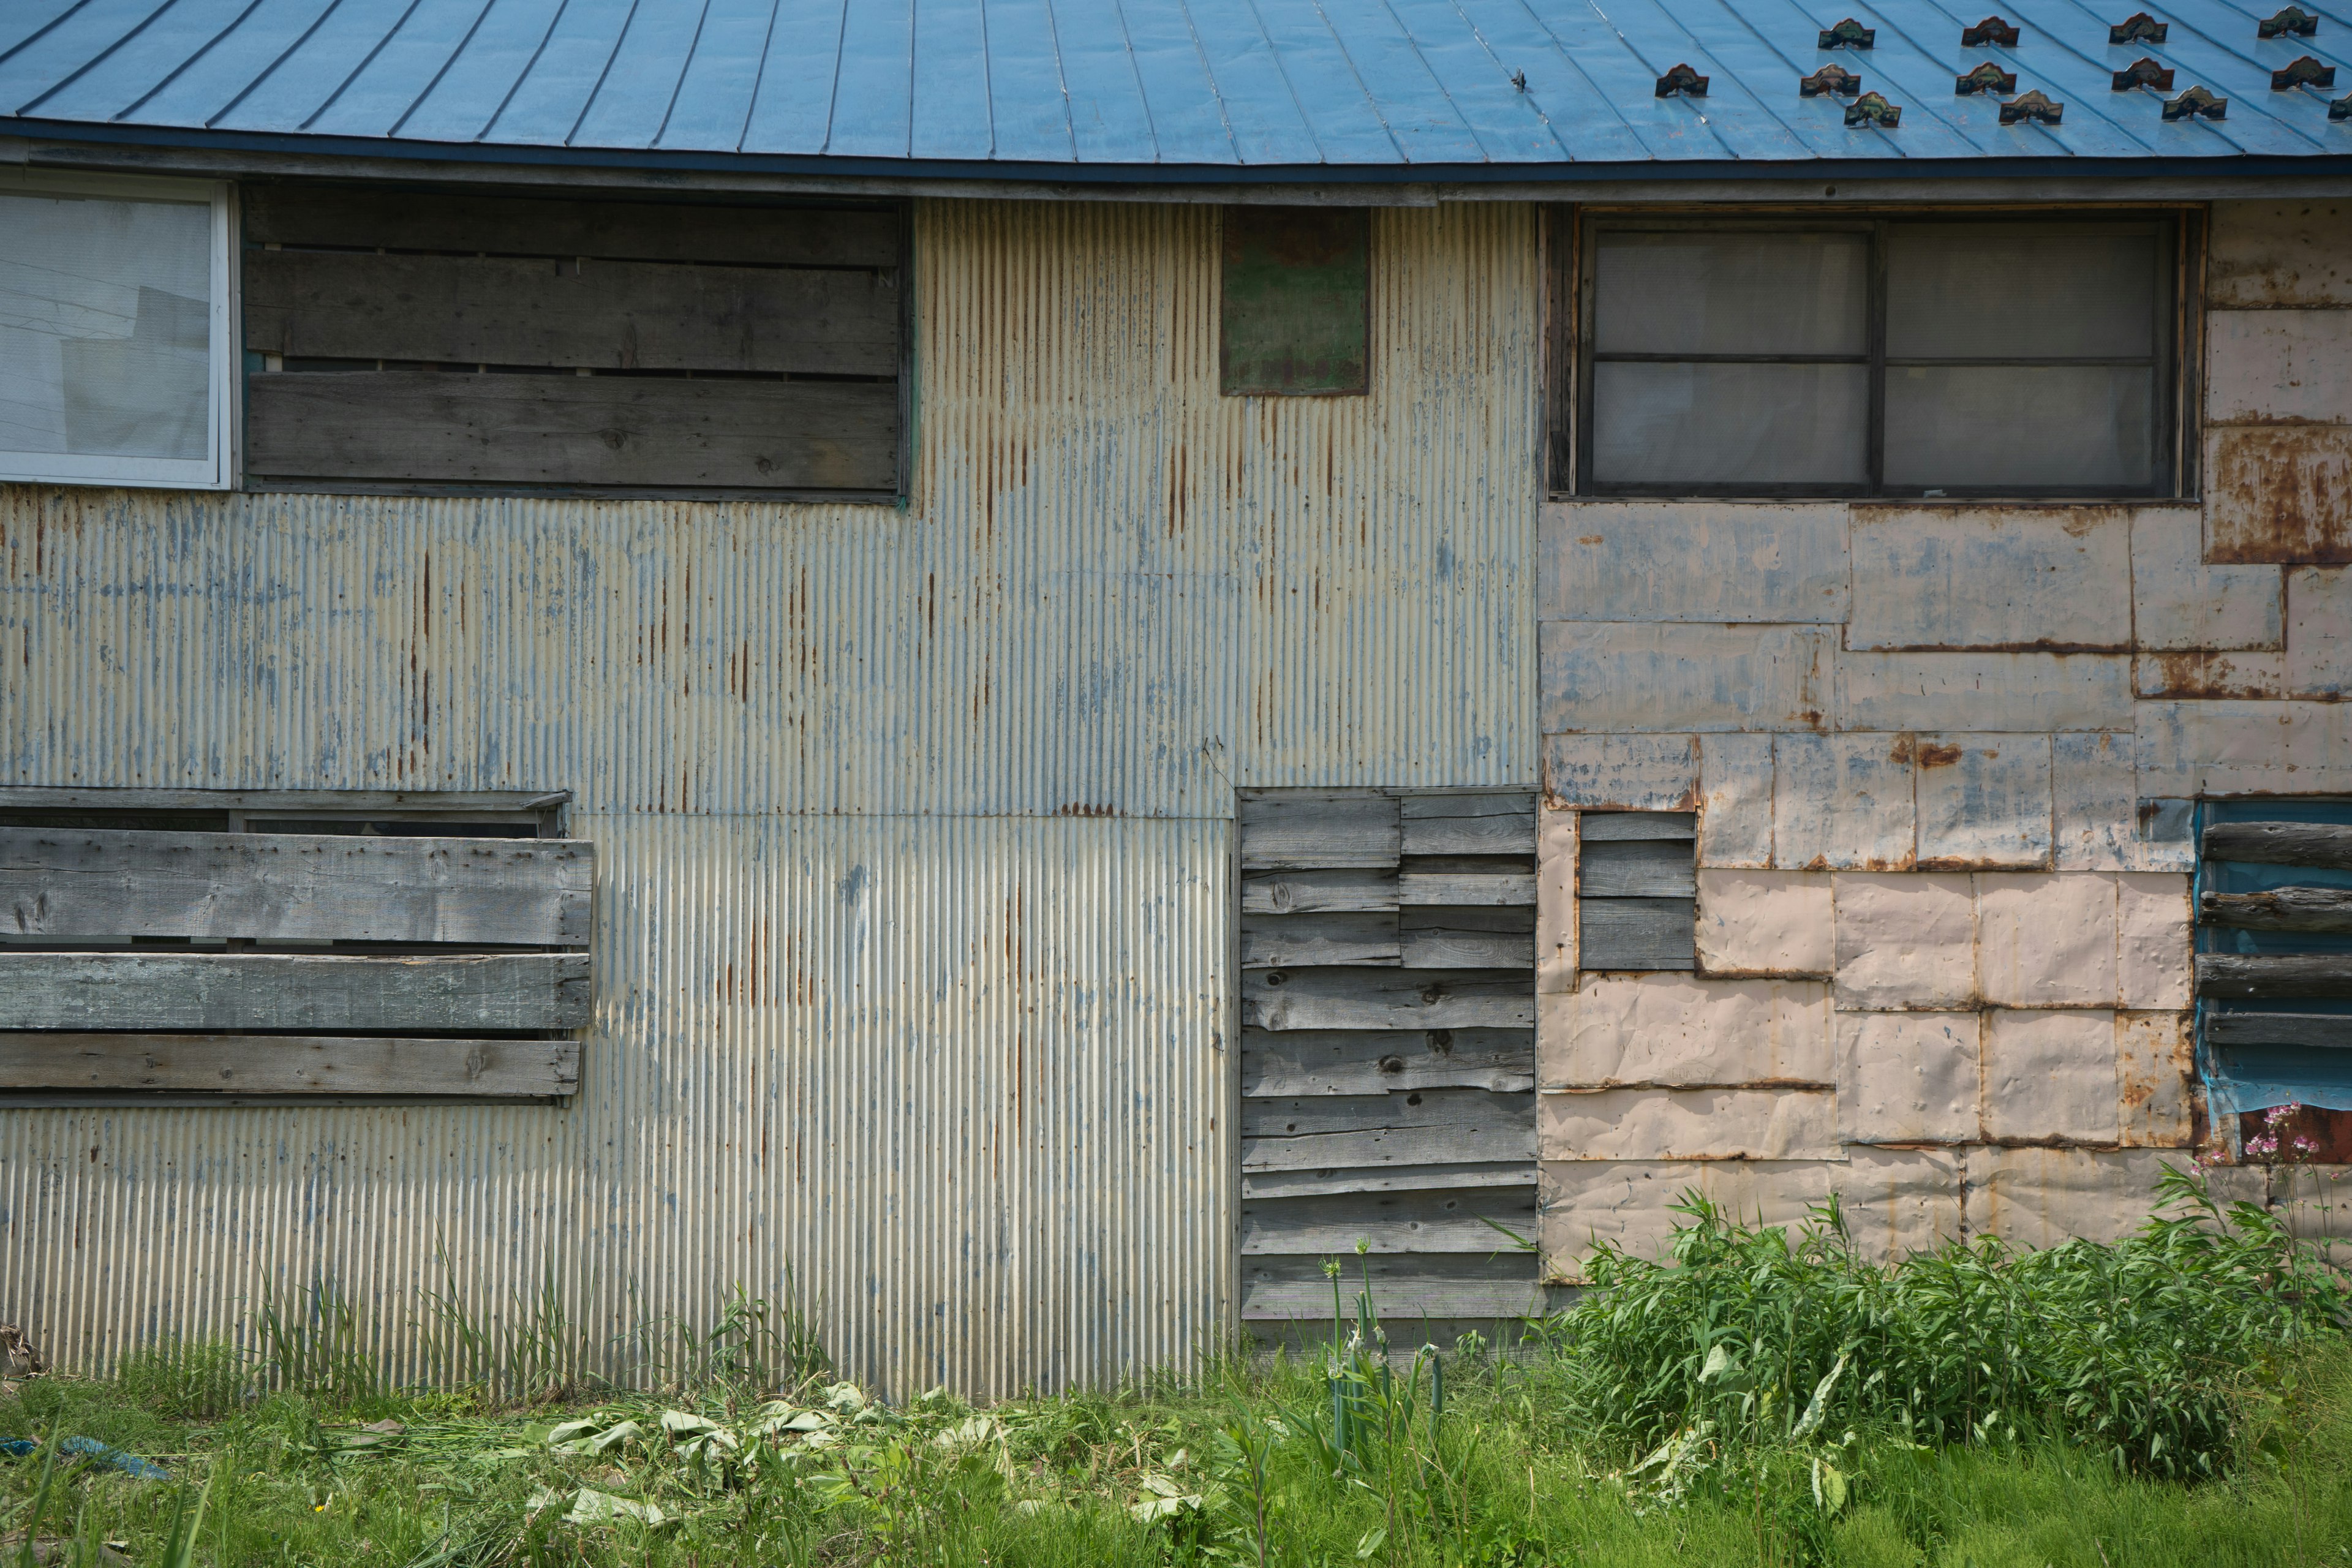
[105, 327]
[1731, 293]
[1731, 424]
[2018, 291]
[2042, 426]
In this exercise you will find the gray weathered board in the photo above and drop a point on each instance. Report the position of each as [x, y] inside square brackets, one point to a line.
[1637, 933]
[85, 884]
[2275, 975]
[574, 430]
[235, 991]
[2281, 909]
[1388, 1053]
[290, 1064]
[2331, 1031]
[2281, 844]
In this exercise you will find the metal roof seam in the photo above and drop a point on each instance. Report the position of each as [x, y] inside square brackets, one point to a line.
[604, 75]
[43, 31]
[1519, 80]
[176, 71]
[1216, 94]
[1362, 86]
[268, 70]
[426, 91]
[759, 76]
[92, 63]
[693, 44]
[1283, 70]
[563, 9]
[390, 33]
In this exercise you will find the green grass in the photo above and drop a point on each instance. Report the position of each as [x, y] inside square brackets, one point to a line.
[2182, 1397]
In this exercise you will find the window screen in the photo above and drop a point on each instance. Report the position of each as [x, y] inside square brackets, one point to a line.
[113, 367]
[405, 340]
[1947, 357]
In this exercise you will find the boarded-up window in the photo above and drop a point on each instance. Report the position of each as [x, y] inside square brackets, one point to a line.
[2274, 956]
[1388, 1052]
[1949, 356]
[404, 340]
[1295, 302]
[213, 948]
[1636, 890]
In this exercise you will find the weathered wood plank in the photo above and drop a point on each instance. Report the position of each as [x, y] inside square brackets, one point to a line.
[573, 430]
[2328, 1031]
[1637, 869]
[1459, 1108]
[230, 992]
[1488, 822]
[1636, 933]
[1466, 882]
[608, 315]
[281, 1064]
[1387, 999]
[70, 884]
[1390, 1221]
[351, 802]
[1614, 826]
[527, 226]
[2281, 909]
[1306, 891]
[1458, 938]
[1404, 1287]
[1434, 1176]
[2281, 844]
[1319, 939]
[1316, 1061]
[2274, 974]
[1309, 828]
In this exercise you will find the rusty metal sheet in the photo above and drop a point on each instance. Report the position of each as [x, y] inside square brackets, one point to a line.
[2319, 633]
[1678, 1030]
[1294, 308]
[2055, 578]
[1634, 676]
[1688, 1124]
[1983, 801]
[2279, 494]
[2253, 674]
[1845, 803]
[2156, 1079]
[2051, 1075]
[1907, 1078]
[2267, 254]
[1766, 922]
[2040, 1198]
[2046, 939]
[1906, 942]
[1693, 560]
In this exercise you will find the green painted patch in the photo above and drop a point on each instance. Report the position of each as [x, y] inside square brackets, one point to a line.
[1292, 318]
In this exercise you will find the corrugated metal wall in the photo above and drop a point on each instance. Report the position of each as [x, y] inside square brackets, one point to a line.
[913, 944]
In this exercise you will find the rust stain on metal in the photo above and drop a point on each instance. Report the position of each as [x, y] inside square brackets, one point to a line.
[1933, 755]
[2196, 673]
[2281, 496]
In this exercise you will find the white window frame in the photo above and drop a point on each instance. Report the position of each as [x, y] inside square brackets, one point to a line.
[216, 470]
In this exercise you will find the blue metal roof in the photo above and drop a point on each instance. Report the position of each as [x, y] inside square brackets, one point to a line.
[1146, 88]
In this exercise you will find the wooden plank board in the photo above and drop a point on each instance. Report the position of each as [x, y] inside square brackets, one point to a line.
[2273, 975]
[1459, 938]
[347, 802]
[608, 315]
[2281, 909]
[312, 215]
[573, 430]
[68, 884]
[1450, 1126]
[231, 993]
[1637, 869]
[1390, 1221]
[1306, 891]
[1403, 1287]
[2281, 844]
[1298, 829]
[1297, 1114]
[1434, 1175]
[1319, 939]
[1619, 827]
[1387, 999]
[1319, 1061]
[1636, 933]
[282, 1064]
[1466, 882]
[2326, 1031]
[1488, 822]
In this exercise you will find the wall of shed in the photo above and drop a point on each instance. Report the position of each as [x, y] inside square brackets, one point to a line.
[914, 980]
[1942, 757]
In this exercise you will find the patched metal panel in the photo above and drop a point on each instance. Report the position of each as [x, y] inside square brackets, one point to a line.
[915, 908]
[1293, 301]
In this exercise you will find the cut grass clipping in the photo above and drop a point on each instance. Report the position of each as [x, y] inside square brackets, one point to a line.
[1762, 1397]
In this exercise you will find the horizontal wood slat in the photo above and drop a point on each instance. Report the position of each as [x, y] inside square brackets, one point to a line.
[1316, 1061]
[1403, 1286]
[2232, 975]
[611, 315]
[74, 884]
[1467, 885]
[1637, 869]
[1617, 826]
[1390, 1221]
[527, 226]
[1434, 1175]
[2281, 844]
[277, 1064]
[1387, 999]
[1309, 891]
[1486, 823]
[2328, 1031]
[1320, 1131]
[1637, 933]
[228, 992]
[1457, 938]
[1273, 941]
[1306, 1113]
[2281, 909]
[1315, 829]
[573, 430]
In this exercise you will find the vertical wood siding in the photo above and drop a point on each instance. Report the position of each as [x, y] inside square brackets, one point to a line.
[915, 914]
